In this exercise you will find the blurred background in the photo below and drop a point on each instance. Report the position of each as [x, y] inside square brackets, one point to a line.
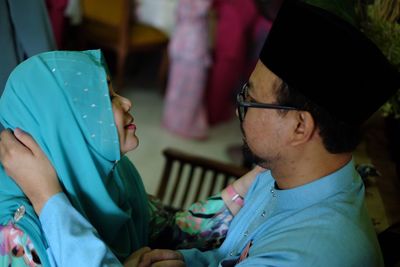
[181, 63]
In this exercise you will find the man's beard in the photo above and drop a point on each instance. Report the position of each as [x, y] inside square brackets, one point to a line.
[250, 158]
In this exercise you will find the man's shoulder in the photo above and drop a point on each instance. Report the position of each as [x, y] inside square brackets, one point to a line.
[319, 236]
[317, 245]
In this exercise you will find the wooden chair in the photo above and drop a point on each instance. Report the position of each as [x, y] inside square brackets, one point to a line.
[111, 24]
[188, 178]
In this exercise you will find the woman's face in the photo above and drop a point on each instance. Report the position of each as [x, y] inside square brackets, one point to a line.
[124, 121]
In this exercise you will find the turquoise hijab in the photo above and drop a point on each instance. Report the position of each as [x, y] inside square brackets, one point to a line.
[61, 98]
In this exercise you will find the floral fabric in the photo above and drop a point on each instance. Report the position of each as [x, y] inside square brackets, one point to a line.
[16, 248]
[204, 225]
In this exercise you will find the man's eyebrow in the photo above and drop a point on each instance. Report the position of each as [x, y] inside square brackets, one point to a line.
[250, 88]
[250, 85]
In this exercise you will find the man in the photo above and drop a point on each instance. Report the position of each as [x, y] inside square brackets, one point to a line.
[300, 118]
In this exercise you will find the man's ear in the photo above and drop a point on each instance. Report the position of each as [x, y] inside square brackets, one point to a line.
[304, 128]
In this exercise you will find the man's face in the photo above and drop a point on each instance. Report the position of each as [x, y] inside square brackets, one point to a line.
[263, 129]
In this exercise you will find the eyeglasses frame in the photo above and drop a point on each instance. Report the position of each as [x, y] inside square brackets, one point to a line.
[242, 105]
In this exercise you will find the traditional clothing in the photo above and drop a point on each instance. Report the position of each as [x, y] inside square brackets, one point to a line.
[240, 32]
[22, 35]
[56, 10]
[324, 57]
[62, 100]
[322, 223]
[184, 110]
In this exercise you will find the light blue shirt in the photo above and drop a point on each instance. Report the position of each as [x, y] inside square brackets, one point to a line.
[323, 223]
[72, 239]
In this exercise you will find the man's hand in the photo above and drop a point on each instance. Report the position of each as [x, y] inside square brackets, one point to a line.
[25, 162]
[162, 257]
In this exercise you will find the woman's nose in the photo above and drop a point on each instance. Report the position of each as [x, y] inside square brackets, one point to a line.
[126, 103]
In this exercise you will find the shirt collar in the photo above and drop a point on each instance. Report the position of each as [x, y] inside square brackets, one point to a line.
[316, 191]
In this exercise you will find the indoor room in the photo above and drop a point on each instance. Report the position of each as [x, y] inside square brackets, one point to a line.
[186, 77]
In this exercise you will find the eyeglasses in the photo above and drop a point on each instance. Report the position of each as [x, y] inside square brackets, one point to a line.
[243, 105]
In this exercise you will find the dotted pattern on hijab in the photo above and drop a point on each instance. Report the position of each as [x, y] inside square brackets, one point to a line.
[87, 88]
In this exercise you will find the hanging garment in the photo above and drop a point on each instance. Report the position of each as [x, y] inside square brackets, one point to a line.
[184, 111]
[240, 29]
[22, 36]
[56, 10]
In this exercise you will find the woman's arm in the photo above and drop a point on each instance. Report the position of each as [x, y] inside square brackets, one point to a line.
[25, 162]
[72, 240]
[205, 224]
[234, 194]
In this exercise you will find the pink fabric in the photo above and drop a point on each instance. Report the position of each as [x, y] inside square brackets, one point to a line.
[184, 111]
[16, 245]
[238, 22]
[56, 10]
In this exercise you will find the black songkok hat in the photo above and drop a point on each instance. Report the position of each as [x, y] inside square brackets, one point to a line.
[329, 61]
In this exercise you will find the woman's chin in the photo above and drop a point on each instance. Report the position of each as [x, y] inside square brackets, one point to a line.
[129, 146]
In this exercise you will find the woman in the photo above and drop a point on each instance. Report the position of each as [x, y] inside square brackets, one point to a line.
[66, 102]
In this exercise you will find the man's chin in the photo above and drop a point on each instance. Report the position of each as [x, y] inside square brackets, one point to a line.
[250, 157]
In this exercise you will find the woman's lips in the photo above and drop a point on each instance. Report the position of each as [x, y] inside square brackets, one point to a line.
[131, 126]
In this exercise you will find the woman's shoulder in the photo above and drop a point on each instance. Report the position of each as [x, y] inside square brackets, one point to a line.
[16, 248]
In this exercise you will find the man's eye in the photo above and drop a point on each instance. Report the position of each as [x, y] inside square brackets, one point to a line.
[247, 97]
[246, 93]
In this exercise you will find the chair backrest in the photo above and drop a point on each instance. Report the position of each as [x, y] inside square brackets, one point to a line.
[105, 11]
[106, 22]
[187, 178]
[112, 24]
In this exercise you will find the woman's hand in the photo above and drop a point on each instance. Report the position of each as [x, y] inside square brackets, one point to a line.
[145, 257]
[240, 186]
[162, 257]
[134, 259]
[243, 184]
[25, 162]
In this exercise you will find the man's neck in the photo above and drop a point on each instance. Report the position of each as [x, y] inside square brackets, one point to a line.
[306, 169]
